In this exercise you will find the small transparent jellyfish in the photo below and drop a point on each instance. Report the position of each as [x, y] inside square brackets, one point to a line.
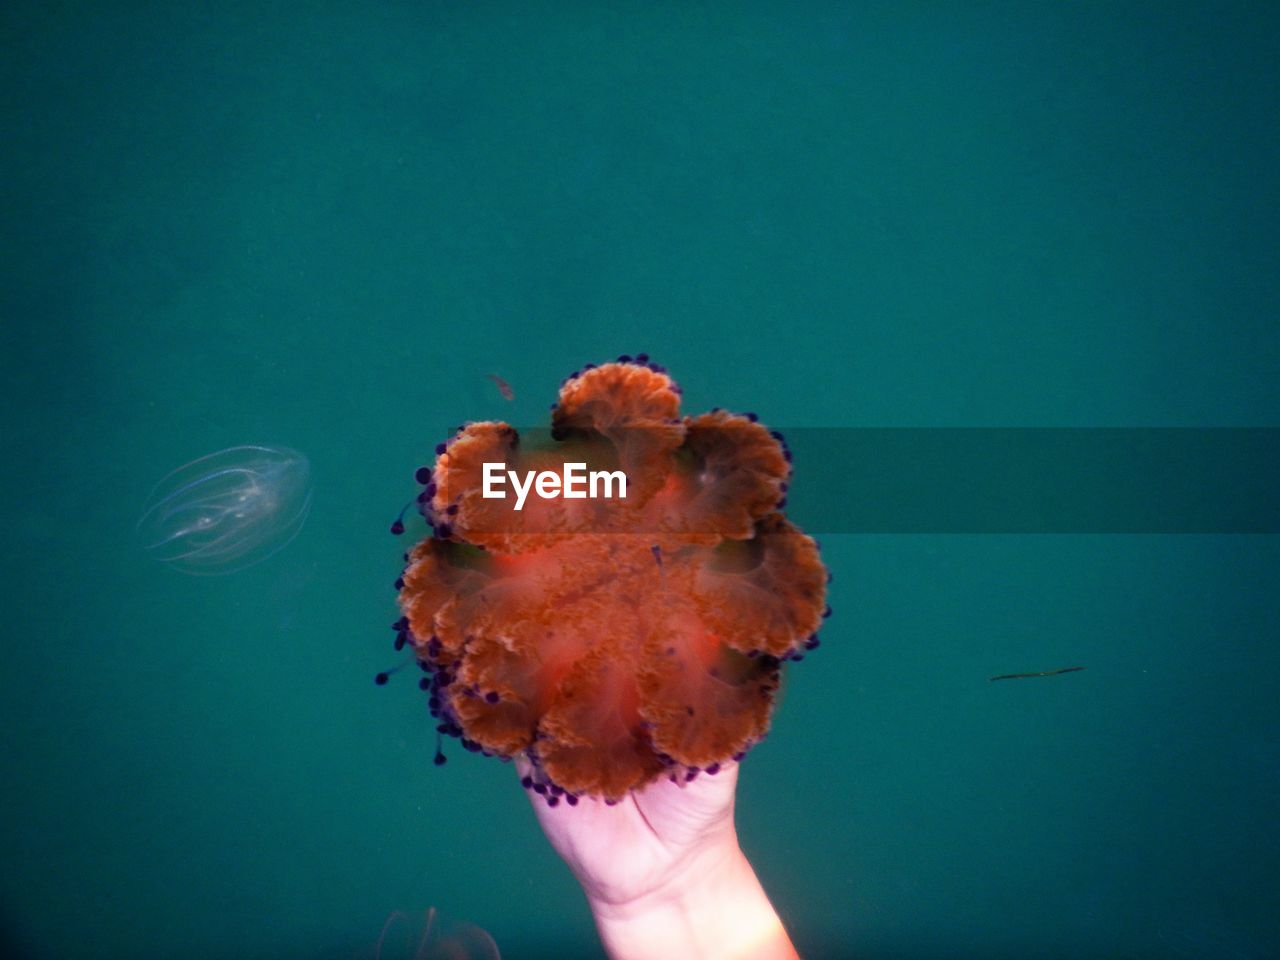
[440, 939]
[228, 510]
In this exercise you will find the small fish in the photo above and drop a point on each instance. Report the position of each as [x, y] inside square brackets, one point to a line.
[657, 554]
[1043, 673]
[503, 387]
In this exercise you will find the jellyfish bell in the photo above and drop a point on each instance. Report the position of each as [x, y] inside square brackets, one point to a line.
[440, 938]
[612, 641]
[228, 510]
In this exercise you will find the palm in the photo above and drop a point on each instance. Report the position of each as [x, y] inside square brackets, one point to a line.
[625, 851]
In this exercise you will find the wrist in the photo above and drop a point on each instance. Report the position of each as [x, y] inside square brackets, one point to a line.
[715, 909]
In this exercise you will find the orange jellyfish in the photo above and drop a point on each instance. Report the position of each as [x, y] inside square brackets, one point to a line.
[616, 638]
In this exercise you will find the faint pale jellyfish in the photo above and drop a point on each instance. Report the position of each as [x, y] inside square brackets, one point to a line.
[228, 510]
[440, 939]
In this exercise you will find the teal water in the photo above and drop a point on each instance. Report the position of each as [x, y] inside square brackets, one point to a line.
[321, 226]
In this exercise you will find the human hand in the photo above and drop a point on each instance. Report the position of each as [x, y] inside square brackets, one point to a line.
[646, 842]
[663, 873]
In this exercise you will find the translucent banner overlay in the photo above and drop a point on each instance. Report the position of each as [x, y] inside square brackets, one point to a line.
[1007, 480]
[1050, 480]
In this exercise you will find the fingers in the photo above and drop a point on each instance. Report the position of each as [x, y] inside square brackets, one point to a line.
[712, 789]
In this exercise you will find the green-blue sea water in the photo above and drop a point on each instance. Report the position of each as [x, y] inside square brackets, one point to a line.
[323, 225]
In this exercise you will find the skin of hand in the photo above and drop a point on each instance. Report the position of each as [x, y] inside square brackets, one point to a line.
[663, 872]
[662, 830]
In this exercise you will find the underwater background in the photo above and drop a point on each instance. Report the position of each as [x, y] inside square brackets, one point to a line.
[322, 226]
